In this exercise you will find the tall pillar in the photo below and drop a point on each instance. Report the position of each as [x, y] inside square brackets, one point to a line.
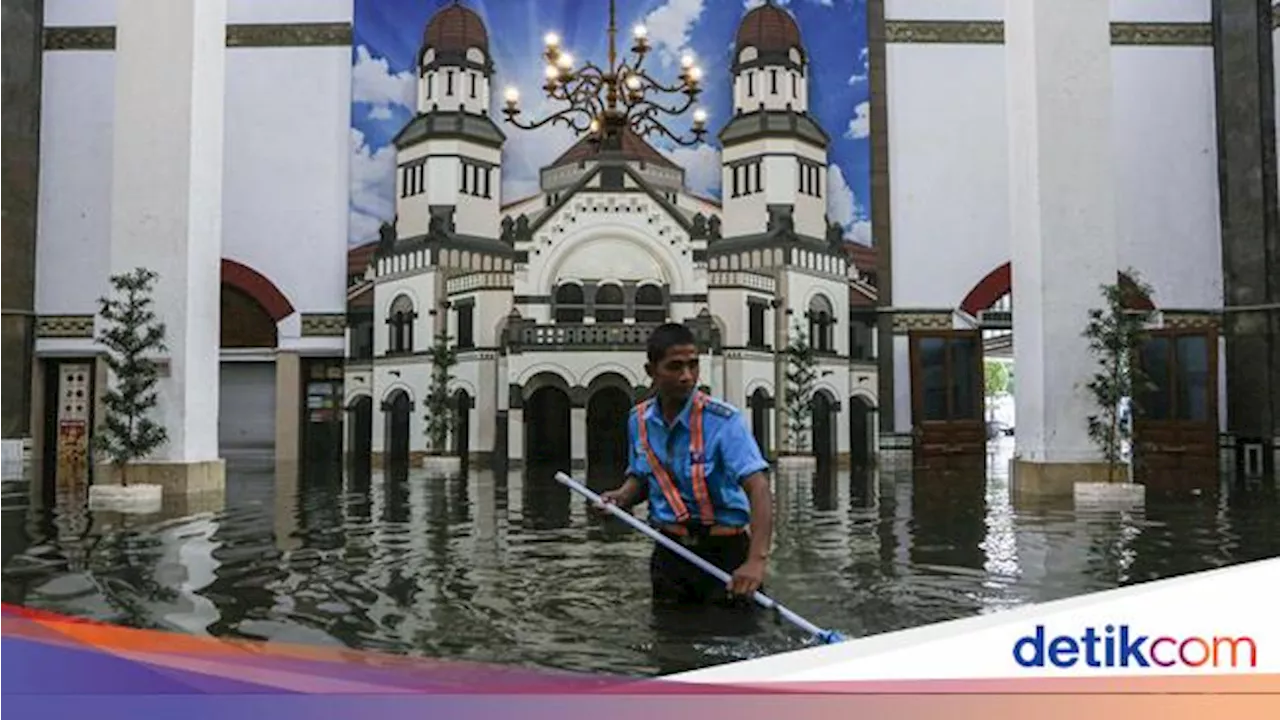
[23, 49]
[1246, 121]
[288, 406]
[167, 207]
[578, 437]
[1062, 227]
[515, 434]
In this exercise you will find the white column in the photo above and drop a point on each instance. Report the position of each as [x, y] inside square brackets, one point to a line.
[1063, 228]
[578, 434]
[167, 196]
[515, 434]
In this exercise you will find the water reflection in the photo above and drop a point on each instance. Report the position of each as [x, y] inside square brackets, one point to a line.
[505, 566]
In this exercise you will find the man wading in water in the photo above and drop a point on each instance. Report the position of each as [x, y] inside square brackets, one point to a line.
[693, 459]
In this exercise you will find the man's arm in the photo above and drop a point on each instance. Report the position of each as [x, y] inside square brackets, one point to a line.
[757, 487]
[743, 461]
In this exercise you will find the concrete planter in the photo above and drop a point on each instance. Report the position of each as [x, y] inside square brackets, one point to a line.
[1109, 495]
[796, 464]
[135, 499]
[442, 466]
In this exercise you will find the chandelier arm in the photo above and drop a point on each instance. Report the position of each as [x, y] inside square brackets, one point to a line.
[562, 116]
[682, 87]
[655, 126]
[659, 107]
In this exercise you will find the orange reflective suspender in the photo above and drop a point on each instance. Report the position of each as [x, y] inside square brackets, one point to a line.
[699, 470]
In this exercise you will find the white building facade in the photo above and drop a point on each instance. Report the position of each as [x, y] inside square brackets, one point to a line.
[549, 300]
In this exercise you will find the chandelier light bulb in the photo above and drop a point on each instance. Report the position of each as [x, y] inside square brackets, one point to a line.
[513, 95]
[640, 32]
[552, 40]
[695, 73]
[565, 61]
[552, 72]
[700, 116]
[633, 82]
[686, 61]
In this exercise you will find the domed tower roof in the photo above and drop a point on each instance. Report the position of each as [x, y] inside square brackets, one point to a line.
[771, 30]
[456, 28]
[450, 35]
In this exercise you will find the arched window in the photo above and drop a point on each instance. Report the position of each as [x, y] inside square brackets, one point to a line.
[569, 303]
[821, 323]
[610, 304]
[651, 307]
[400, 325]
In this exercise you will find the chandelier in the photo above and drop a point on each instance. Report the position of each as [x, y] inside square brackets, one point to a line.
[606, 101]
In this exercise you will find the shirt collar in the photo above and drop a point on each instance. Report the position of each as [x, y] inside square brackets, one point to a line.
[655, 411]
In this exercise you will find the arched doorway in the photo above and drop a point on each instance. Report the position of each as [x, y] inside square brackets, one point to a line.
[860, 439]
[824, 429]
[397, 407]
[760, 404]
[462, 403]
[608, 408]
[360, 434]
[546, 423]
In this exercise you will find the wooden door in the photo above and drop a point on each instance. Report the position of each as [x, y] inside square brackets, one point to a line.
[947, 399]
[1175, 428]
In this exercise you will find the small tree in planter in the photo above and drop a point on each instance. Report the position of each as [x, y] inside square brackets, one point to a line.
[440, 419]
[802, 372]
[1115, 333]
[132, 336]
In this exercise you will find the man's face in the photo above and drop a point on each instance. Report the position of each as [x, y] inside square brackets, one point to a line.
[676, 375]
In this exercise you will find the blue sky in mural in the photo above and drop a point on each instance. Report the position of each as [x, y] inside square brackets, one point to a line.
[388, 34]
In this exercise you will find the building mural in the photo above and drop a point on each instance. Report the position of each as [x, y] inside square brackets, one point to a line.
[547, 256]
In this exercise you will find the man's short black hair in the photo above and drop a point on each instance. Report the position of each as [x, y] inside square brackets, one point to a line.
[666, 336]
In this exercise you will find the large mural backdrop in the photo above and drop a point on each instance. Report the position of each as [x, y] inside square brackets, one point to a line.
[388, 36]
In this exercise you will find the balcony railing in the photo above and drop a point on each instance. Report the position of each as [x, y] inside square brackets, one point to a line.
[601, 336]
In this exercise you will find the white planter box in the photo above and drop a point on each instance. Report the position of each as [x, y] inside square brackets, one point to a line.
[442, 466]
[797, 464]
[135, 499]
[1105, 495]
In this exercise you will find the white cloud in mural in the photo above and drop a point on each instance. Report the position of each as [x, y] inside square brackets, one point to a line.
[373, 83]
[701, 165]
[373, 189]
[860, 125]
[671, 26]
[842, 207]
[859, 77]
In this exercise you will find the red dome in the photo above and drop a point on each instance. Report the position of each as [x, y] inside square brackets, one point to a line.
[768, 28]
[455, 29]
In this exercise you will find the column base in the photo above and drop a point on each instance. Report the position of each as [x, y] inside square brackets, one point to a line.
[173, 478]
[1035, 479]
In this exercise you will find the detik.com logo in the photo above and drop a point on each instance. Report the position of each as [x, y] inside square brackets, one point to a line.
[1121, 646]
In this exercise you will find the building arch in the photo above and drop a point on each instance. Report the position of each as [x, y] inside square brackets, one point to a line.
[397, 405]
[999, 282]
[257, 286]
[355, 396]
[675, 273]
[391, 292]
[758, 384]
[624, 373]
[456, 384]
[558, 374]
[393, 388]
[866, 395]
[244, 322]
[823, 427]
[546, 379]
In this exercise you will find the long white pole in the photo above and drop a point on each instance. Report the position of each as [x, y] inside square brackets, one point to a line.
[827, 636]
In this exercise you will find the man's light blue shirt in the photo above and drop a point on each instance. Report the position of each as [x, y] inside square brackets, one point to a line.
[730, 454]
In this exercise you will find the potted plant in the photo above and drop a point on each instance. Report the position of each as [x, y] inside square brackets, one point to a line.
[132, 338]
[802, 373]
[441, 417]
[1115, 333]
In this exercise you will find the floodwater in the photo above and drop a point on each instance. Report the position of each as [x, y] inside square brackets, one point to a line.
[508, 568]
